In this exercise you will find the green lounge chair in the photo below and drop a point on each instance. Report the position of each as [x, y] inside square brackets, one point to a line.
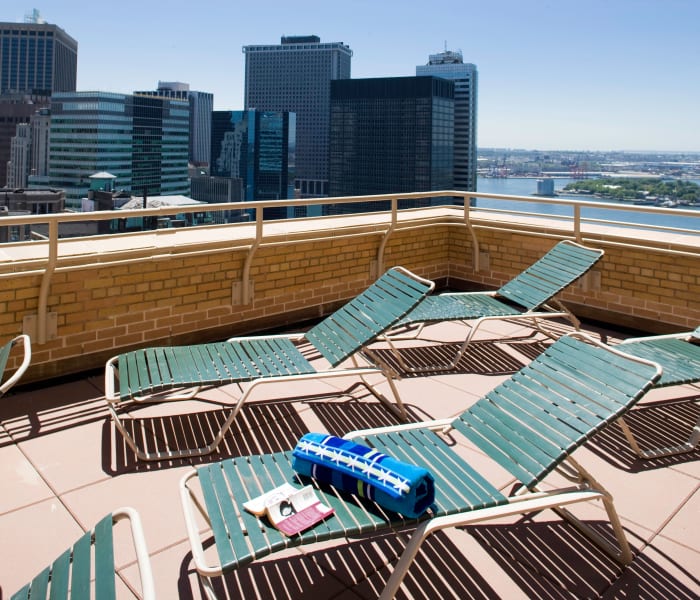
[154, 374]
[5, 352]
[679, 356]
[529, 424]
[91, 556]
[530, 296]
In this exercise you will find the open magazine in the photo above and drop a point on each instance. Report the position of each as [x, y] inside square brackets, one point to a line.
[289, 509]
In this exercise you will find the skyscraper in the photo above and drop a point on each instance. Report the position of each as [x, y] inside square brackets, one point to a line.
[141, 140]
[295, 76]
[29, 151]
[391, 135]
[37, 58]
[257, 148]
[449, 65]
[201, 107]
[20, 151]
[15, 109]
[39, 159]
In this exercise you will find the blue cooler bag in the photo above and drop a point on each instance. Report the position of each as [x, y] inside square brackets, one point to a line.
[398, 486]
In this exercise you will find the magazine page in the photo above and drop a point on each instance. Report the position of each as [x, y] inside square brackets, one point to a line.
[289, 509]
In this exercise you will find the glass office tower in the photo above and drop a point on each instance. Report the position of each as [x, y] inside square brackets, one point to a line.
[449, 65]
[391, 134]
[257, 148]
[201, 107]
[142, 141]
[295, 76]
[37, 58]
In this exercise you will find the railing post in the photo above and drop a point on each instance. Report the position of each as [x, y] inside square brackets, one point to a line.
[387, 234]
[475, 242]
[42, 308]
[577, 223]
[245, 283]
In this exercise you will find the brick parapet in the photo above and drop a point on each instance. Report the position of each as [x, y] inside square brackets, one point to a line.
[104, 308]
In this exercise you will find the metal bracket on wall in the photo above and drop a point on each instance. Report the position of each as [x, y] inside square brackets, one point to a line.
[30, 327]
[484, 262]
[373, 270]
[237, 291]
[590, 282]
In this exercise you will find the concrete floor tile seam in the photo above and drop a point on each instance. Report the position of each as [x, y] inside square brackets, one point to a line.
[78, 487]
[672, 515]
[679, 469]
[692, 549]
[17, 509]
[37, 470]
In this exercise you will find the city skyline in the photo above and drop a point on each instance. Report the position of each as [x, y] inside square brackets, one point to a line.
[598, 75]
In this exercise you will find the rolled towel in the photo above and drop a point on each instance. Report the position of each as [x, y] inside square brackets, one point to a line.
[395, 485]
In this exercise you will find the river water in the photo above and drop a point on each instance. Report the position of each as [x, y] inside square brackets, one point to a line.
[522, 186]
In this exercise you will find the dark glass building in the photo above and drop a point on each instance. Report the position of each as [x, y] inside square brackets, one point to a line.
[391, 134]
[449, 65]
[257, 147]
[37, 58]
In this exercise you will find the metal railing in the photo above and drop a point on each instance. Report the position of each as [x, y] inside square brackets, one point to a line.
[474, 218]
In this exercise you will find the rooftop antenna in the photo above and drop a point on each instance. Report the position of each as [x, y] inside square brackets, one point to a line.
[33, 17]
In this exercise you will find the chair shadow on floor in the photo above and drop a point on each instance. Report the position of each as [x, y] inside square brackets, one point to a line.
[551, 560]
[355, 570]
[487, 357]
[260, 427]
[655, 424]
[545, 560]
[341, 418]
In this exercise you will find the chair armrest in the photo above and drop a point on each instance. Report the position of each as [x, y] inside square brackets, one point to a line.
[434, 425]
[27, 347]
[139, 541]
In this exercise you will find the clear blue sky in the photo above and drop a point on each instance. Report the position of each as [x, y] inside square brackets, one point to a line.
[553, 74]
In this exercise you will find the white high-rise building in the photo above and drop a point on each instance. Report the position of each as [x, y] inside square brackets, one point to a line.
[18, 165]
[295, 76]
[449, 65]
[41, 137]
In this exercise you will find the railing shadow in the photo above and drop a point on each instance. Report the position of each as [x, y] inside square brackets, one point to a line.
[37, 410]
[656, 424]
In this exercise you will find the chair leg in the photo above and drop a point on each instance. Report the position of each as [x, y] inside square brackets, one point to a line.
[661, 452]
[522, 504]
[397, 407]
[208, 587]
[622, 553]
[405, 560]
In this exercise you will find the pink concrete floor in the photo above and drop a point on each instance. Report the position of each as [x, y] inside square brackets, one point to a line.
[63, 466]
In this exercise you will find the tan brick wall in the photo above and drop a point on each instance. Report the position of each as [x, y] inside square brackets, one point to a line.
[102, 310]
